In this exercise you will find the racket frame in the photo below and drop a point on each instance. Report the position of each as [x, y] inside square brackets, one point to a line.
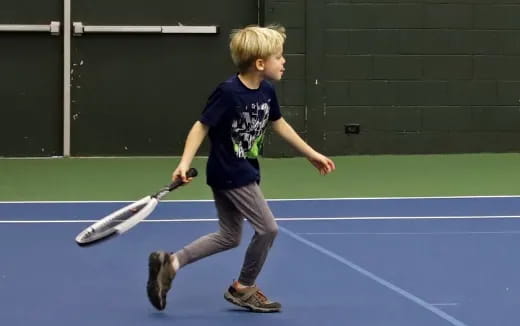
[93, 230]
[147, 204]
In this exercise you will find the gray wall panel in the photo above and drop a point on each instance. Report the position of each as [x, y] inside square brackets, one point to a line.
[433, 93]
[447, 119]
[295, 66]
[472, 92]
[373, 92]
[295, 43]
[165, 12]
[397, 67]
[30, 81]
[30, 11]
[428, 76]
[496, 119]
[371, 42]
[447, 67]
[496, 16]
[140, 94]
[496, 67]
[346, 67]
[374, 119]
[453, 16]
[375, 16]
[421, 76]
[508, 93]
[292, 90]
[435, 41]
[422, 143]
[289, 13]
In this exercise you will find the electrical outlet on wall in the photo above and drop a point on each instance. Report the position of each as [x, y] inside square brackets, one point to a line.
[352, 128]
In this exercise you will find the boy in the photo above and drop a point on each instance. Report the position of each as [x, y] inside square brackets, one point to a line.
[235, 119]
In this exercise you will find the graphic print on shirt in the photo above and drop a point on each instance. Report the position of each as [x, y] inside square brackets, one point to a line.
[248, 130]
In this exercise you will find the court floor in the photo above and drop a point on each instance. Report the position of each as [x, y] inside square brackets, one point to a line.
[386, 261]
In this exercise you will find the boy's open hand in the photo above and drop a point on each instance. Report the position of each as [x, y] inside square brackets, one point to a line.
[322, 163]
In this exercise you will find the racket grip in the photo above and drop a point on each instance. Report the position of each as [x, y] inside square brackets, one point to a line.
[192, 172]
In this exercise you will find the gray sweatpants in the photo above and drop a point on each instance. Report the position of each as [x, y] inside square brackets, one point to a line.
[233, 205]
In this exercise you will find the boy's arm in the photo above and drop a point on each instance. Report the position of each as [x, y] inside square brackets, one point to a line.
[321, 162]
[195, 137]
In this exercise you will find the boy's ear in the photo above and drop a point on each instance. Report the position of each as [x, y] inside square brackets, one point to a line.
[259, 64]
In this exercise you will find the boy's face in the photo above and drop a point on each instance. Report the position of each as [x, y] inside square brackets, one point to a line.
[273, 66]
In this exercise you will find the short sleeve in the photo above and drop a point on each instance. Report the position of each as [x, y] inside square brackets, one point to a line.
[218, 104]
[274, 108]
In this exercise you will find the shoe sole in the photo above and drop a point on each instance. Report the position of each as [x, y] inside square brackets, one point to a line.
[153, 288]
[230, 298]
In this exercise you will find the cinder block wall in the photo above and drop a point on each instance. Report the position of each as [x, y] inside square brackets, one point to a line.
[418, 76]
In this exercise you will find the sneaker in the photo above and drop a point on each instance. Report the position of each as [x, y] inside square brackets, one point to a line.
[160, 277]
[251, 298]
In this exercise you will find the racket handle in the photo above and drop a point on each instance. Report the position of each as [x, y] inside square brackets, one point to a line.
[192, 172]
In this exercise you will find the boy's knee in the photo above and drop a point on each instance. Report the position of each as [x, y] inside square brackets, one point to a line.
[271, 231]
[234, 243]
[231, 241]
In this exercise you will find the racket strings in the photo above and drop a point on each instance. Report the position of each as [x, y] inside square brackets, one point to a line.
[111, 223]
[127, 217]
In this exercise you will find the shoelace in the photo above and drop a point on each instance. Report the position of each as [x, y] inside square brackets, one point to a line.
[261, 297]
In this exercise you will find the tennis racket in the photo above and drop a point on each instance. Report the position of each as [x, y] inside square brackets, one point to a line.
[127, 217]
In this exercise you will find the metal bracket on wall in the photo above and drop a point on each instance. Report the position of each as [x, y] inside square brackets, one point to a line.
[79, 29]
[53, 28]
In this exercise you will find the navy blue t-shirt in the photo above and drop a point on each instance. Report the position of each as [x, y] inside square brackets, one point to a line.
[237, 118]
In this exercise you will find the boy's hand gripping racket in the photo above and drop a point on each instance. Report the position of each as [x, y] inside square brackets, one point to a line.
[127, 217]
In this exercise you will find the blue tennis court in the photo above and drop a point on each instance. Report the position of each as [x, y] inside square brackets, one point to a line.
[388, 261]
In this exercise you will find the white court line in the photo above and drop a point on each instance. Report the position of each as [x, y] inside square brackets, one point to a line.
[290, 219]
[99, 201]
[412, 233]
[452, 320]
[93, 221]
[454, 217]
[269, 200]
[447, 304]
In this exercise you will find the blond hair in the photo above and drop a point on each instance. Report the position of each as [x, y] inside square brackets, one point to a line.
[254, 42]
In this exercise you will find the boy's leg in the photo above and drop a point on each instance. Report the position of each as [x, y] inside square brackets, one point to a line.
[250, 202]
[228, 236]
[163, 266]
